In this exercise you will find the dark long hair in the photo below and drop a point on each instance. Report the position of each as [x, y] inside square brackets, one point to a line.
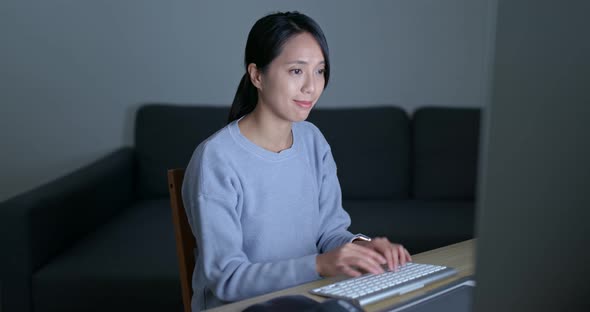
[265, 43]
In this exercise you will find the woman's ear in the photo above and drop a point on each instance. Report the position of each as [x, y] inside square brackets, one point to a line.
[255, 76]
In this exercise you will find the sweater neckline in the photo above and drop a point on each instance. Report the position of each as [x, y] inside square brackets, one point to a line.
[252, 147]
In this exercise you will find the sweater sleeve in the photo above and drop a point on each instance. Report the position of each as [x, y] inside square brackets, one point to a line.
[334, 219]
[214, 214]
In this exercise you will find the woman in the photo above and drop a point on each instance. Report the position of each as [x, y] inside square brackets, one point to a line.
[261, 194]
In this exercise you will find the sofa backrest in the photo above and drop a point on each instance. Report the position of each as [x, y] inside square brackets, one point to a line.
[371, 147]
[379, 151]
[166, 137]
[445, 153]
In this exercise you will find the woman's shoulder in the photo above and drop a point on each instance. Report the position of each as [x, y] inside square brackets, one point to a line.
[309, 131]
[211, 157]
[215, 145]
[314, 145]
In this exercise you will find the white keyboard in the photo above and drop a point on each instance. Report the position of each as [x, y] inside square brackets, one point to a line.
[370, 288]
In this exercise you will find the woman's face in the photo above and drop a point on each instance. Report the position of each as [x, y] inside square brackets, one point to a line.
[294, 80]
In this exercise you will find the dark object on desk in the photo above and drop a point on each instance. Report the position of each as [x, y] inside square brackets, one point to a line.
[300, 303]
[75, 241]
[294, 303]
[454, 297]
[337, 305]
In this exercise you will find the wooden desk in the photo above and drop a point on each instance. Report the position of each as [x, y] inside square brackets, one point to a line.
[459, 256]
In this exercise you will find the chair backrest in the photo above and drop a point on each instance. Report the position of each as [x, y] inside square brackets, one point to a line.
[185, 241]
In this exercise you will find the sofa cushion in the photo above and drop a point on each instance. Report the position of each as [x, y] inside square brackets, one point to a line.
[419, 225]
[371, 149]
[445, 153]
[165, 138]
[129, 264]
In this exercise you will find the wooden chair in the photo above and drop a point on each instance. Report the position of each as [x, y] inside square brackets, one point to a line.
[185, 241]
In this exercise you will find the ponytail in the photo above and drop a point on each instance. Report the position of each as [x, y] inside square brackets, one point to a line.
[244, 100]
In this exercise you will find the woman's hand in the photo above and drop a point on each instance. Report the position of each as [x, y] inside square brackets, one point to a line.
[350, 259]
[395, 254]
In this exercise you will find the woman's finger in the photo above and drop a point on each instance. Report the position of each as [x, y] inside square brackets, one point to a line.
[402, 255]
[348, 270]
[383, 246]
[362, 258]
[367, 252]
[366, 265]
[395, 255]
[368, 260]
[391, 265]
[389, 256]
[408, 255]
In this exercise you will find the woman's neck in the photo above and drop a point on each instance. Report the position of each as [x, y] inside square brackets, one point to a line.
[267, 131]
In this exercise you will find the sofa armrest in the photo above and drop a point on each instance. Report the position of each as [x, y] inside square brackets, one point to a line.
[39, 224]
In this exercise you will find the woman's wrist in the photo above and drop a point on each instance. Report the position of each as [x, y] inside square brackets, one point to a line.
[363, 243]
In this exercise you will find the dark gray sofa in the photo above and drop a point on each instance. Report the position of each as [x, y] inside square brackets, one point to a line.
[101, 238]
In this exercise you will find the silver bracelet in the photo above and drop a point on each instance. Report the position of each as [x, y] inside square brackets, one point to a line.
[360, 236]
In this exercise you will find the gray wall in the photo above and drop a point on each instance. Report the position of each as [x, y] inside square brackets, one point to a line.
[72, 73]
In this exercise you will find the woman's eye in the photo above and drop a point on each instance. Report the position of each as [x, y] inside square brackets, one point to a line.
[296, 71]
[321, 71]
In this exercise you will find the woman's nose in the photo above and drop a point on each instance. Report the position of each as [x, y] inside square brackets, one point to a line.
[308, 84]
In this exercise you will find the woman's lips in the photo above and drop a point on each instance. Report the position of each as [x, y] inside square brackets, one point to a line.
[304, 104]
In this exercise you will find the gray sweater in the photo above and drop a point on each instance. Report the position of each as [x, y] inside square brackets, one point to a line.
[260, 218]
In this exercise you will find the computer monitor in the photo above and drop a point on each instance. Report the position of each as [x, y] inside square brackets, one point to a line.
[533, 206]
